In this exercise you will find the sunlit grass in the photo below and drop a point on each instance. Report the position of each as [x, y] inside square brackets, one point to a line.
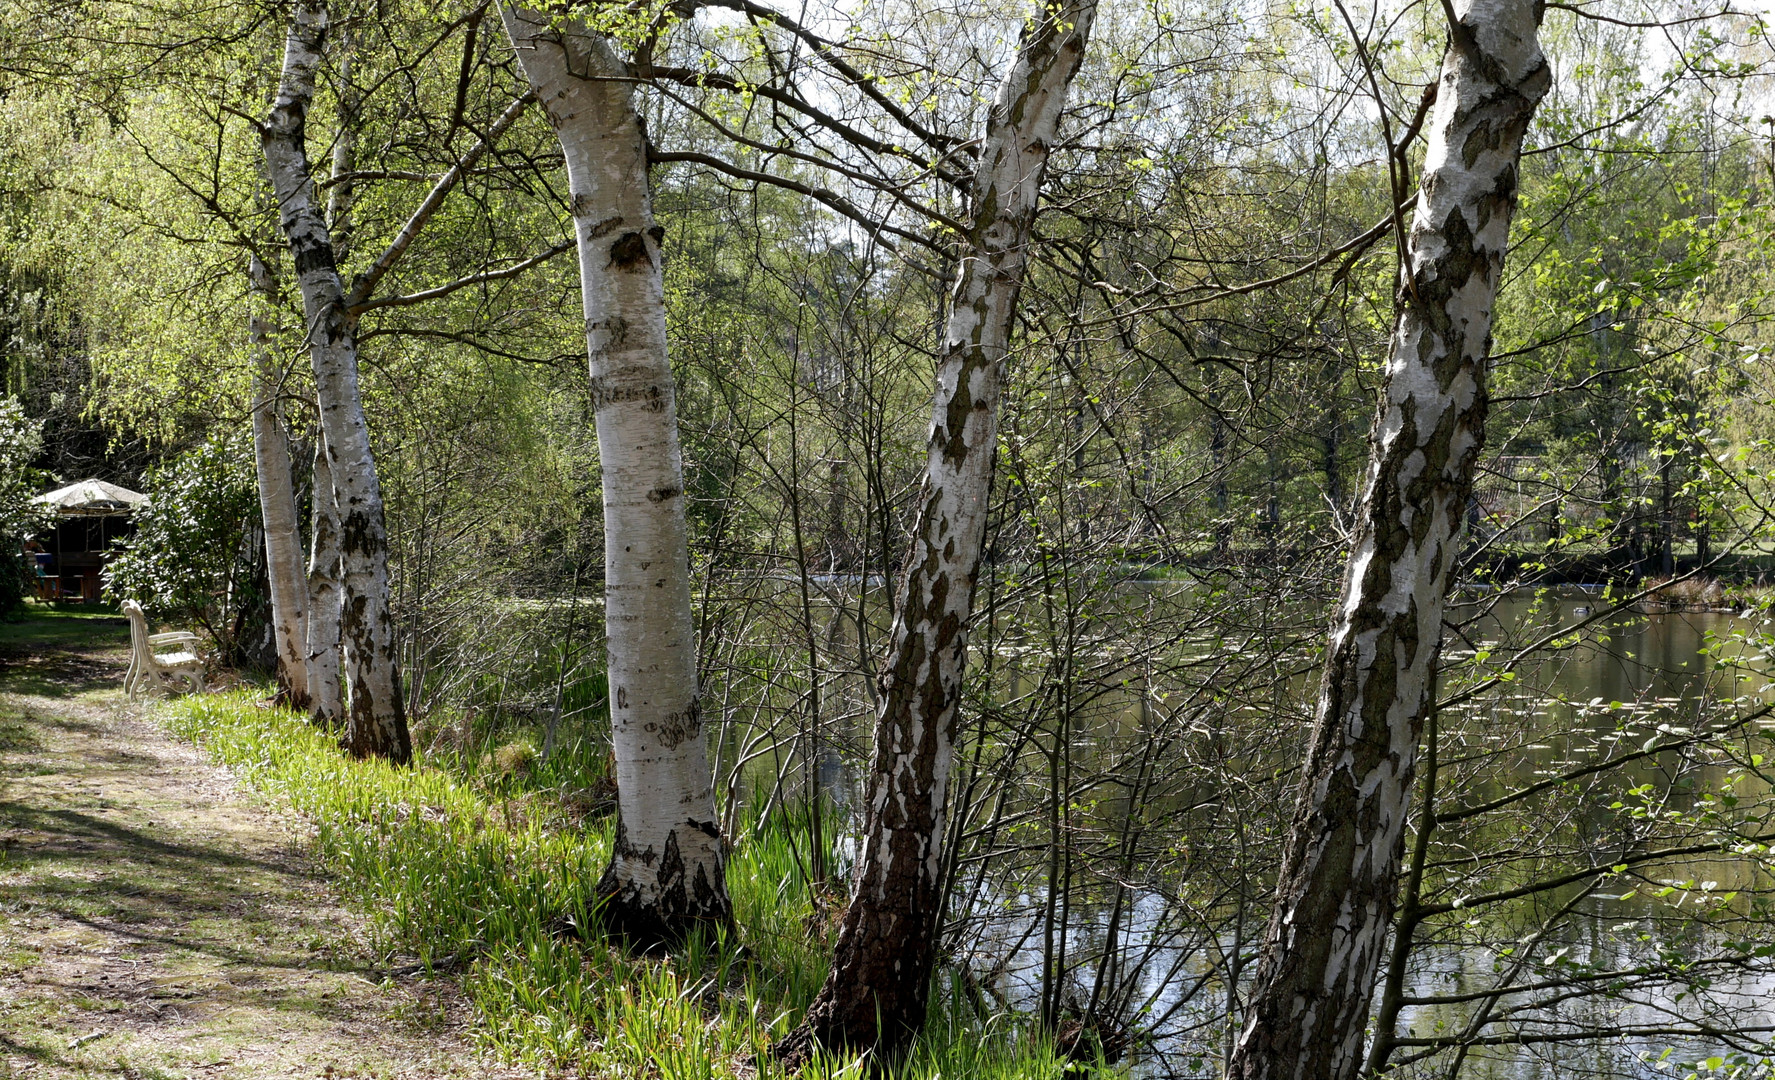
[40, 626]
[457, 874]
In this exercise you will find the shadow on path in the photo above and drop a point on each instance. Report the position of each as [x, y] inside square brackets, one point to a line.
[154, 922]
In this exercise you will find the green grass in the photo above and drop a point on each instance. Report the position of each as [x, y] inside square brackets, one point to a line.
[58, 651]
[455, 870]
[38, 625]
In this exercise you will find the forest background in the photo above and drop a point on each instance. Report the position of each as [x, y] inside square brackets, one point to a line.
[1195, 360]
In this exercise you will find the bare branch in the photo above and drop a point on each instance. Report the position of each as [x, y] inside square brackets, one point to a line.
[365, 284]
[406, 299]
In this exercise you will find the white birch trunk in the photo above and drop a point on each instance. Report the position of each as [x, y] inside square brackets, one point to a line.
[666, 870]
[277, 506]
[343, 190]
[877, 992]
[376, 724]
[326, 595]
[1308, 1010]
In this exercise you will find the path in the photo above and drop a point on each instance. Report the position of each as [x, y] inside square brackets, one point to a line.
[158, 922]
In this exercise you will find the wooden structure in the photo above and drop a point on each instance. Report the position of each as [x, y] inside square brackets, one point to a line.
[154, 671]
[90, 516]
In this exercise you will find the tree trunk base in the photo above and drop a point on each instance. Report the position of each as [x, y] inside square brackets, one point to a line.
[796, 1049]
[370, 739]
[294, 698]
[879, 1017]
[822, 1029]
[661, 922]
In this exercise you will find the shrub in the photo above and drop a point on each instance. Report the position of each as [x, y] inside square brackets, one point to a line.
[515, 759]
[192, 559]
[20, 440]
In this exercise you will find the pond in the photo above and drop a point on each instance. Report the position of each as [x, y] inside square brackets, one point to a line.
[1148, 939]
[1519, 975]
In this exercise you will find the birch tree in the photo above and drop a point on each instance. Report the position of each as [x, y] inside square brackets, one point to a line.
[326, 596]
[1308, 1012]
[879, 985]
[377, 723]
[326, 593]
[277, 505]
[666, 866]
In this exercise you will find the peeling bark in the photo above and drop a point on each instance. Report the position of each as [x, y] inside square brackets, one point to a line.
[666, 870]
[879, 987]
[1308, 1010]
[377, 723]
[277, 506]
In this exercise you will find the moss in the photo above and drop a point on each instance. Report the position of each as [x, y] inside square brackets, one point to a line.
[515, 759]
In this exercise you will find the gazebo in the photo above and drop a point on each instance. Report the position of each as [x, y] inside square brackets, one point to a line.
[89, 516]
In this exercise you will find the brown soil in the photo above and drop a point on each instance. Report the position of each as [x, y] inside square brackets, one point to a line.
[157, 921]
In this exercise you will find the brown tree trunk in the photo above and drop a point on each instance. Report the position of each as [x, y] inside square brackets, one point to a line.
[879, 986]
[1308, 1008]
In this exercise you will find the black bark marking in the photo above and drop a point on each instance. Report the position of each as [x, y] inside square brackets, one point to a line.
[955, 420]
[682, 901]
[583, 205]
[650, 395]
[311, 257]
[677, 727]
[630, 253]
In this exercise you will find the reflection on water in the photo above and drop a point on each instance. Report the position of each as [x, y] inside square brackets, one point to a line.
[1148, 937]
[1517, 978]
[1644, 680]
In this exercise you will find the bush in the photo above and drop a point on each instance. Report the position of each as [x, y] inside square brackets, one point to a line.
[192, 559]
[20, 440]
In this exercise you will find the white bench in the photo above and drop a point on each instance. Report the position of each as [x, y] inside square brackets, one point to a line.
[159, 672]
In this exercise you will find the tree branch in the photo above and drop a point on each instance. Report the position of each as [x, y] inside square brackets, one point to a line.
[361, 289]
[407, 299]
[836, 202]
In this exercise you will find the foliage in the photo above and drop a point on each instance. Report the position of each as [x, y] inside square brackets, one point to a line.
[191, 559]
[20, 440]
[1201, 337]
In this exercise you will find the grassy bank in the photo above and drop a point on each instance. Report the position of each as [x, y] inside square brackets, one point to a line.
[463, 870]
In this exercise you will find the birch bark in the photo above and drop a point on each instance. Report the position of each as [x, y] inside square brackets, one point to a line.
[342, 191]
[326, 596]
[666, 869]
[376, 724]
[879, 986]
[1308, 1010]
[277, 506]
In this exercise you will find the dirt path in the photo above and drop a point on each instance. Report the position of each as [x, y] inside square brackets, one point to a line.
[158, 922]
